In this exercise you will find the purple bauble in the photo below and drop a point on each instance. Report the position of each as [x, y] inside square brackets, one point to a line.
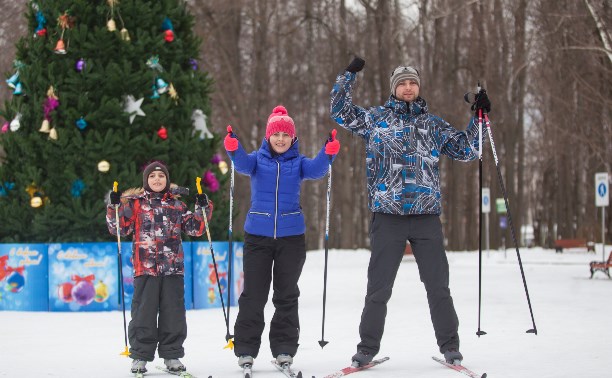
[80, 65]
[83, 293]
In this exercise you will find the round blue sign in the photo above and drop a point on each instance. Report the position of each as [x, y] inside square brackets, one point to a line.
[485, 200]
[601, 189]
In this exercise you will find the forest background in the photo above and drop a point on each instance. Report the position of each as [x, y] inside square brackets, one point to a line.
[546, 65]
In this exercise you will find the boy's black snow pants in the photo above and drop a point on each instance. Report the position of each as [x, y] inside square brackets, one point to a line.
[153, 296]
[267, 260]
[388, 237]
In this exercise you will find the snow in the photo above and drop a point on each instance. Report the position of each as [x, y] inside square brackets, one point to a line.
[572, 314]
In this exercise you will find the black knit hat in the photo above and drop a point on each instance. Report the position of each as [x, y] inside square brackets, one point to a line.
[155, 166]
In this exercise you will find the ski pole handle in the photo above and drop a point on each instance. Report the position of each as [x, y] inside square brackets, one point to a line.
[198, 185]
[115, 186]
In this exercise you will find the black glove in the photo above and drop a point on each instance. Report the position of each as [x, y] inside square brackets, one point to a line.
[115, 198]
[356, 65]
[202, 199]
[481, 102]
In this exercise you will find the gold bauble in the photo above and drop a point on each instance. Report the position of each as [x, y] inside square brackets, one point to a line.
[103, 166]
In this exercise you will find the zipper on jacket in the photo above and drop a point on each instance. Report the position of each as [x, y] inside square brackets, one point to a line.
[276, 197]
[294, 213]
[259, 213]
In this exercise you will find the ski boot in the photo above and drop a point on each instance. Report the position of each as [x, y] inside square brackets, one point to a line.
[284, 359]
[139, 366]
[453, 357]
[174, 364]
[362, 358]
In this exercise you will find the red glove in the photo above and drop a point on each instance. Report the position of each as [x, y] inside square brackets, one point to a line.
[230, 142]
[332, 146]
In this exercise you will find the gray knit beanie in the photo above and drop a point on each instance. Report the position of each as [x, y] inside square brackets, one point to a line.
[403, 73]
[155, 166]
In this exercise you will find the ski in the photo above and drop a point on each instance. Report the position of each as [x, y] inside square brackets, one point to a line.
[247, 371]
[353, 369]
[183, 374]
[286, 369]
[460, 368]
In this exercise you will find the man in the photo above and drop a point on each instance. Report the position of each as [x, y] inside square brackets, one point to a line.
[403, 147]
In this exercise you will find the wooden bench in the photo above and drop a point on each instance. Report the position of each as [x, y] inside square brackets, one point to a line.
[573, 243]
[603, 266]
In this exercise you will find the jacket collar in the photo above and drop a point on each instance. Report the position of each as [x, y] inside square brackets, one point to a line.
[414, 108]
[292, 152]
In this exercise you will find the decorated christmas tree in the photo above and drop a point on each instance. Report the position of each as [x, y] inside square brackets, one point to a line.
[99, 89]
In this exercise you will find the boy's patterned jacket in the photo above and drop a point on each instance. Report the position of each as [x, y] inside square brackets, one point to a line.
[403, 147]
[156, 220]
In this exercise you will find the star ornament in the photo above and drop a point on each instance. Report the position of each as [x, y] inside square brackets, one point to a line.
[132, 107]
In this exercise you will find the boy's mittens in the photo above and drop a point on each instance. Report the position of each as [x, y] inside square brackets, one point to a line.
[202, 200]
[115, 198]
[230, 142]
[332, 146]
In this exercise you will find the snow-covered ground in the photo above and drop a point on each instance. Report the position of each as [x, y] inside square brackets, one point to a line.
[572, 314]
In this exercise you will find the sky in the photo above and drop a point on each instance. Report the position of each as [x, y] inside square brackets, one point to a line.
[572, 315]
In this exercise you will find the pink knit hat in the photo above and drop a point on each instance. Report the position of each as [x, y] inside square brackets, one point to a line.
[279, 121]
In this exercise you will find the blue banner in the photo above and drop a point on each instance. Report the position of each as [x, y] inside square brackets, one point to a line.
[206, 282]
[83, 277]
[24, 277]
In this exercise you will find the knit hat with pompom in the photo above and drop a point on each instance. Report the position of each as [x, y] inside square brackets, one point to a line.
[279, 121]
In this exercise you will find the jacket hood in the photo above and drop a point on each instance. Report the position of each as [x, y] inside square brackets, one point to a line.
[414, 108]
[291, 153]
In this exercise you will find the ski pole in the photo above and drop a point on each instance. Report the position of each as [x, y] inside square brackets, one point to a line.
[322, 342]
[533, 330]
[126, 352]
[480, 332]
[212, 253]
[229, 337]
[467, 99]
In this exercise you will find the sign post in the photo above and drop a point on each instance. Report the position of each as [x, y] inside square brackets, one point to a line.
[486, 209]
[602, 199]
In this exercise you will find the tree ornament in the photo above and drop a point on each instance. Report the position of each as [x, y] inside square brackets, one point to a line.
[132, 107]
[49, 105]
[103, 166]
[162, 133]
[173, 93]
[60, 48]
[31, 189]
[65, 21]
[81, 123]
[5, 127]
[77, 188]
[41, 21]
[83, 291]
[4, 189]
[168, 30]
[101, 292]
[13, 80]
[125, 35]
[155, 94]
[153, 63]
[111, 26]
[193, 63]
[44, 128]
[16, 122]
[18, 89]
[223, 167]
[162, 86]
[199, 125]
[169, 36]
[53, 134]
[80, 65]
[210, 181]
[36, 202]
